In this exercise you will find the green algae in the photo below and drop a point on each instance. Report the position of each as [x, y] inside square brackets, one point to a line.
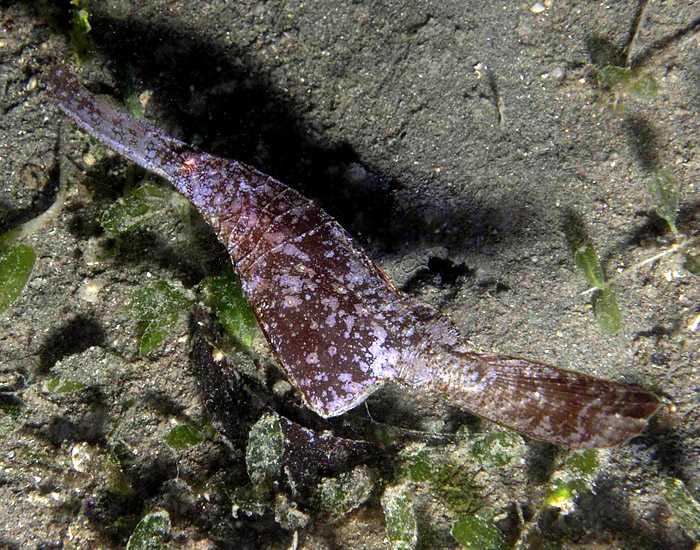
[604, 301]
[264, 452]
[16, 264]
[634, 83]
[143, 204]
[606, 311]
[183, 436]
[420, 466]
[583, 463]
[157, 306]
[624, 82]
[56, 384]
[342, 494]
[575, 476]
[476, 533]
[400, 518]
[79, 40]
[586, 261]
[496, 450]
[152, 533]
[450, 479]
[686, 510]
[664, 190]
[454, 484]
[227, 299]
[128, 90]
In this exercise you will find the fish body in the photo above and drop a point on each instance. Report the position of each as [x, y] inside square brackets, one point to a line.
[337, 326]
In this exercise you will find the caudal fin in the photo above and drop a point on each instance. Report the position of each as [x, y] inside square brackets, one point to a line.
[565, 407]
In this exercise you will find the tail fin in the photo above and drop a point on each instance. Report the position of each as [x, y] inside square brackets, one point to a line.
[565, 407]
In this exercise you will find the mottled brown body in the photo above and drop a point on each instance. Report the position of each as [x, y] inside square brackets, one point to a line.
[337, 326]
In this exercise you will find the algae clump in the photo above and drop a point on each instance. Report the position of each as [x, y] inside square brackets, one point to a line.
[151, 533]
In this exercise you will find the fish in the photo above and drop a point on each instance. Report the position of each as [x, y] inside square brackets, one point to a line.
[338, 327]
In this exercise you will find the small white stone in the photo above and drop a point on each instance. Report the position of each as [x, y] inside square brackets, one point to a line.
[281, 387]
[693, 325]
[80, 457]
[89, 159]
[89, 291]
[537, 7]
[31, 84]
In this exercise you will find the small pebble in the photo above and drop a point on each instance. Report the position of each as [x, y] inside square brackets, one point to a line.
[89, 291]
[31, 84]
[36, 283]
[80, 457]
[557, 73]
[537, 7]
[281, 387]
[89, 159]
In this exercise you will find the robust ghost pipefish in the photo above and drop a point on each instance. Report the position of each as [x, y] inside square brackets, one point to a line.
[337, 326]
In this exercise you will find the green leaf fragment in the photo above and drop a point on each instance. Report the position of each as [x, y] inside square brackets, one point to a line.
[343, 494]
[151, 533]
[401, 526]
[16, 265]
[496, 449]
[562, 496]
[60, 385]
[264, 451]
[144, 203]
[664, 191]
[587, 262]
[157, 306]
[227, 298]
[606, 311]
[583, 463]
[80, 17]
[7, 237]
[131, 97]
[686, 510]
[81, 21]
[78, 34]
[643, 88]
[477, 533]
[611, 76]
[420, 467]
[692, 264]
[575, 477]
[183, 437]
[155, 300]
[154, 332]
[605, 307]
[638, 85]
